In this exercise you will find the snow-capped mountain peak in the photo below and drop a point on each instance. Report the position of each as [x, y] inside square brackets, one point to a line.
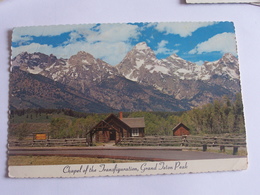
[142, 66]
[82, 58]
[174, 76]
[140, 59]
[36, 62]
[141, 46]
[229, 60]
[174, 57]
[227, 65]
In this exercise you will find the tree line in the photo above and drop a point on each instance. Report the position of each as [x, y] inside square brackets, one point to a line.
[221, 116]
[39, 111]
[77, 128]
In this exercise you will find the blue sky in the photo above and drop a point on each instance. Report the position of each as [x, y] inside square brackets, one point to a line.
[193, 41]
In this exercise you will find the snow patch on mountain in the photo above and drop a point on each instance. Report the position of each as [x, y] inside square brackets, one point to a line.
[172, 76]
[157, 68]
[139, 63]
[141, 46]
[35, 70]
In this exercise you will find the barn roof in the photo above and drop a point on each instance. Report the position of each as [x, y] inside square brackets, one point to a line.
[134, 122]
[179, 125]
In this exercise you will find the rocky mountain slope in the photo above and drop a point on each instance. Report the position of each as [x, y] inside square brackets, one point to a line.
[139, 82]
[36, 91]
[180, 78]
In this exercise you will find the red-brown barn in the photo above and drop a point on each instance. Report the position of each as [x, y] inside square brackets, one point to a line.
[114, 128]
[180, 130]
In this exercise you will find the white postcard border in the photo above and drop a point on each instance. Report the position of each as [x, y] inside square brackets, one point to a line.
[128, 169]
[222, 1]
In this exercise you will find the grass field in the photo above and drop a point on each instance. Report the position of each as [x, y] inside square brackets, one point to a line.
[59, 160]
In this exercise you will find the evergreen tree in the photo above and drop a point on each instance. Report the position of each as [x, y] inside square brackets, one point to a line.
[60, 128]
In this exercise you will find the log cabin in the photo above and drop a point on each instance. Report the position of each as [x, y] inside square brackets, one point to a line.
[114, 128]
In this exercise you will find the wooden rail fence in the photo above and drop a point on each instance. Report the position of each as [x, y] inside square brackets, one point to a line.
[50, 142]
[177, 141]
[187, 141]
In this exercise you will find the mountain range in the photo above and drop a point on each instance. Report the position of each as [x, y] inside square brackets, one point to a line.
[139, 82]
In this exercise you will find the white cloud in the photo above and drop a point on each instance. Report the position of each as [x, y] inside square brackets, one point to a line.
[46, 30]
[111, 53]
[224, 43]
[183, 29]
[161, 48]
[106, 33]
[114, 33]
[34, 47]
[108, 42]
[102, 50]
[73, 37]
[199, 62]
[21, 39]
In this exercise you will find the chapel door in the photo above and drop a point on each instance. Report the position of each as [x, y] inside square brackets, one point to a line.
[112, 135]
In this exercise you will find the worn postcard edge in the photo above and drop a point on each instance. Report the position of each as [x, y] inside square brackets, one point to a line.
[128, 169]
[222, 1]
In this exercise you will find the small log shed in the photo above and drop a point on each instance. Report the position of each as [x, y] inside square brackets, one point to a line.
[180, 130]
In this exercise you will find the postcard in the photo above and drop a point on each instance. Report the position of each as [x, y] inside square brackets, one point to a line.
[223, 1]
[125, 99]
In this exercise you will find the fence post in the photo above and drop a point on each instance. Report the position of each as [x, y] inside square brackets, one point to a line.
[204, 147]
[235, 150]
[222, 148]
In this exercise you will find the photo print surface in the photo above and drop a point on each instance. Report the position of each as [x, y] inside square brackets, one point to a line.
[125, 99]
